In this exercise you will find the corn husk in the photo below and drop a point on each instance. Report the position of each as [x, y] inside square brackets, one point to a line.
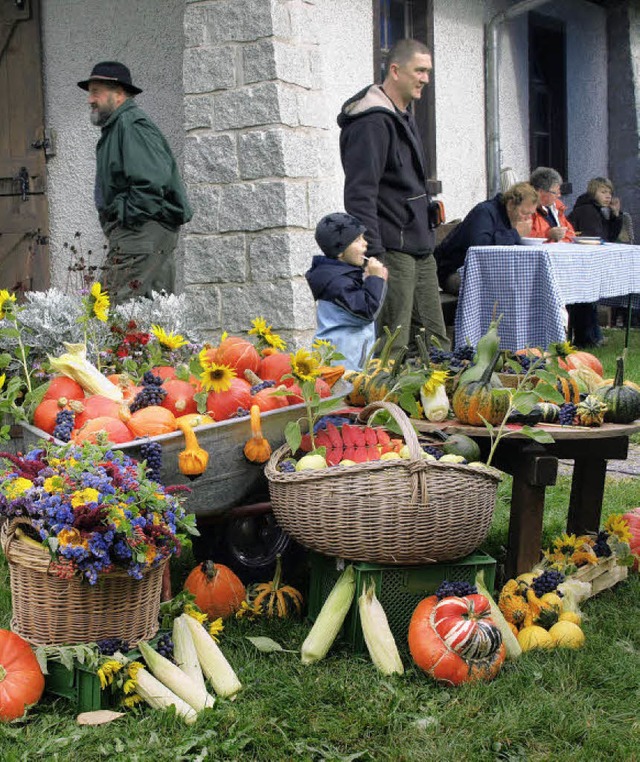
[435, 406]
[74, 364]
[377, 633]
[213, 662]
[330, 619]
[159, 696]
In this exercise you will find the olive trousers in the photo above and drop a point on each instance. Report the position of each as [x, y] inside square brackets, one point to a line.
[413, 300]
[139, 261]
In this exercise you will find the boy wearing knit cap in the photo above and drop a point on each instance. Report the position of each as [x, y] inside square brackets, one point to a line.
[348, 287]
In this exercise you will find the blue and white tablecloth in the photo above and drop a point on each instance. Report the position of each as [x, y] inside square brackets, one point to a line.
[531, 284]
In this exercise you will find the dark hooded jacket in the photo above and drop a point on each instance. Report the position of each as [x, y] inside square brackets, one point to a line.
[587, 218]
[487, 224]
[333, 280]
[385, 176]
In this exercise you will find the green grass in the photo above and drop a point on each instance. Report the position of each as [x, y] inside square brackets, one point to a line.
[569, 705]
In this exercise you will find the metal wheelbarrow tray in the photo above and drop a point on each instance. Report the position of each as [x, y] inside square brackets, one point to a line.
[230, 478]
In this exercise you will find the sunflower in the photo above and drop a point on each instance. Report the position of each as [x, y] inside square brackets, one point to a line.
[305, 364]
[101, 302]
[436, 379]
[566, 544]
[107, 671]
[561, 349]
[5, 298]
[170, 340]
[215, 628]
[259, 327]
[275, 341]
[216, 378]
[619, 526]
[3, 378]
[583, 556]
[199, 616]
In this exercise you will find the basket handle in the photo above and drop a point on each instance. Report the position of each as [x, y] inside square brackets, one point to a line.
[400, 417]
[7, 537]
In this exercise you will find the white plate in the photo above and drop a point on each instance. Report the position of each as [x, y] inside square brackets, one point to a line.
[588, 240]
[532, 241]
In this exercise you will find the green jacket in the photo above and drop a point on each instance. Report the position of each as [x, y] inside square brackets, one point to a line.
[137, 179]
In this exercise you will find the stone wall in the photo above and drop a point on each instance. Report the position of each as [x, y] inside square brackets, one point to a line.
[258, 164]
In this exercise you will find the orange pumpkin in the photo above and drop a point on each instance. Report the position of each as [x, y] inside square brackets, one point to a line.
[455, 640]
[117, 432]
[266, 400]
[580, 358]
[224, 405]
[179, 398]
[218, 591]
[151, 421]
[62, 388]
[21, 679]
[238, 354]
[97, 406]
[275, 366]
[164, 371]
[633, 517]
[44, 416]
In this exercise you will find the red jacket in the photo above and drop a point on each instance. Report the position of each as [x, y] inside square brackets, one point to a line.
[540, 226]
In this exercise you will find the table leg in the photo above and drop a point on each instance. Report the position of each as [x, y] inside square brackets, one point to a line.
[587, 492]
[525, 528]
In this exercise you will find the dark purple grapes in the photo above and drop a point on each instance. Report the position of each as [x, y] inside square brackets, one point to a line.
[64, 425]
[262, 385]
[242, 412]
[447, 589]
[151, 393]
[602, 549]
[287, 466]
[567, 414]
[435, 451]
[109, 646]
[152, 453]
[547, 582]
[165, 646]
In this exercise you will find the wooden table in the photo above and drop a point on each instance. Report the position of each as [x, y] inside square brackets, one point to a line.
[534, 467]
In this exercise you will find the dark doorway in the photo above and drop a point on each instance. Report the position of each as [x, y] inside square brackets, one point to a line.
[547, 94]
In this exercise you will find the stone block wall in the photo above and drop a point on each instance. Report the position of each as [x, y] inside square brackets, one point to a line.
[258, 165]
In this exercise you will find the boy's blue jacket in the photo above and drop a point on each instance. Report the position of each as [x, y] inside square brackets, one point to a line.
[347, 305]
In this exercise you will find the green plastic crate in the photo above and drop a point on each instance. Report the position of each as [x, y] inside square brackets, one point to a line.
[78, 685]
[398, 588]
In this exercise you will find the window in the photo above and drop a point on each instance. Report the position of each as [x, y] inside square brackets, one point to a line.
[395, 20]
[547, 94]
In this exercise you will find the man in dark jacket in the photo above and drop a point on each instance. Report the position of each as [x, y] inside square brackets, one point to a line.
[139, 195]
[385, 187]
[500, 221]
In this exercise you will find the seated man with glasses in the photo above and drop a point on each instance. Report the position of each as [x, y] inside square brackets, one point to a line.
[549, 221]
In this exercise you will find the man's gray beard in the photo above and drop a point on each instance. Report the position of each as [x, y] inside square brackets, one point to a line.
[98, 118]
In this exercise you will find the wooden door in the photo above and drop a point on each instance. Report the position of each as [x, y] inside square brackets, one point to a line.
[24, 256]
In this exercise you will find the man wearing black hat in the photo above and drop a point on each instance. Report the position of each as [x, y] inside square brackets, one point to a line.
[139, 195]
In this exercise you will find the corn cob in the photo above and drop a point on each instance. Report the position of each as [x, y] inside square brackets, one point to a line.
[184, 652]
[159, 696]
[175, 679]
[377, 634]
[330, 619]
[213, 662]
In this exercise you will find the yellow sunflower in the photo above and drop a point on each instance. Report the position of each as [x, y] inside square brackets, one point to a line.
[216, 378]
[304, 365]
[618, 526]
[192, 611]
[275, 341]
[215, 628]
[562, 348]
[170, 340]
[5, 298]
[101, 302]
[3, 378]
[107, 671]
[566, 544]
[259, 327]
[583, 556]
[321, 344]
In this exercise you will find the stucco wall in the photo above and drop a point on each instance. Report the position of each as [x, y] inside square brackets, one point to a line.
[148, 36]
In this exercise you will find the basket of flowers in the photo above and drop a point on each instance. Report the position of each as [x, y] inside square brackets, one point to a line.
[86, 535]
[396, 511]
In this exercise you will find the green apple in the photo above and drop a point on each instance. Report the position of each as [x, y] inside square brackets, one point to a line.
[390, 456]
[451, 458]
[404, 452]
[347, 462]
[309, 462]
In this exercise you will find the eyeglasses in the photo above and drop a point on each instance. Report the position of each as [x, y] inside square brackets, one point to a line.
[557, 194]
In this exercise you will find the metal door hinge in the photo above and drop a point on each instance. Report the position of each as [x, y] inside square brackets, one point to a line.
[47, 143]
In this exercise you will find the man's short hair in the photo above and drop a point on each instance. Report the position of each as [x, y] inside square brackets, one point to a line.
[599, 182]
[404, 50]
[519, 193]
[544, 178]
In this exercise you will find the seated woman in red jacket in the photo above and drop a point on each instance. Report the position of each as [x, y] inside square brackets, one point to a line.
[549, 221]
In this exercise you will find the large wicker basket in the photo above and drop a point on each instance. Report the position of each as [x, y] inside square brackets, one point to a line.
[49, 610]
[412, 511]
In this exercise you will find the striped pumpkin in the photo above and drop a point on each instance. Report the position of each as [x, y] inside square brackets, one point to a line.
[465, 627]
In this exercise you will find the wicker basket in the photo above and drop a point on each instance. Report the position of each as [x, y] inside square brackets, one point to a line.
[49, 610]
[412, 511]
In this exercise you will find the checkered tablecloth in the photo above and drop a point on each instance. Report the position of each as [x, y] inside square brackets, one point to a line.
[531, 285]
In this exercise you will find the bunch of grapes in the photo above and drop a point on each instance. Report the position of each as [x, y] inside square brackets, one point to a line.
[464, 353]
[152, 392]
[262, 385]
[152, 453]
[602, 549]
[64, 425]
[438, 356]
[547, 582]
[241, 412]
[165, 646]
[567, 414]
[287, 466]
[459, 589]
[435, 451]
[109, 646]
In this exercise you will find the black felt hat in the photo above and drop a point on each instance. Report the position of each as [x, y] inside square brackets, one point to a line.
[111, 71]
[336, 231]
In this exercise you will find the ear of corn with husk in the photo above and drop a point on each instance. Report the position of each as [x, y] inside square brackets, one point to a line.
[184, 652]
[74, 364]
[159, 696]
[213, 662]
[330, 619]
[377, 634]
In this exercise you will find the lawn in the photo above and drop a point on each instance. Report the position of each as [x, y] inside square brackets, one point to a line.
[570, 705]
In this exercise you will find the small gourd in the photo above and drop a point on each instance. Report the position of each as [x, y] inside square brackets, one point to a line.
[486, 348]
[534, 636]
[257, 449]
[273, 599]
[622, 401]
[591, 411]
[549, 410]
[193, 460]
[567, 635]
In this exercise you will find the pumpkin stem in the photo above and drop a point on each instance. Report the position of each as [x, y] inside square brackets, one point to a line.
[277, 576]
[619, 379]
[486, 376]
[3, 673]
[208, 569]
[252, 377]
[422, 349]
[388, 345]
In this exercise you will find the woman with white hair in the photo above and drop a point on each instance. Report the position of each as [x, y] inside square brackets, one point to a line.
[549, 221]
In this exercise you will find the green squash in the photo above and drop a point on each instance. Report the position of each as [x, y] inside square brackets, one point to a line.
[478, 402]
[623, 402]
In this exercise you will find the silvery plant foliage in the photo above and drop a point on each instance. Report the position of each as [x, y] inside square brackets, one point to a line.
[173, 312]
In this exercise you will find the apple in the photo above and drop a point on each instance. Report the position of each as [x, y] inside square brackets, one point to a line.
[311, 461]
